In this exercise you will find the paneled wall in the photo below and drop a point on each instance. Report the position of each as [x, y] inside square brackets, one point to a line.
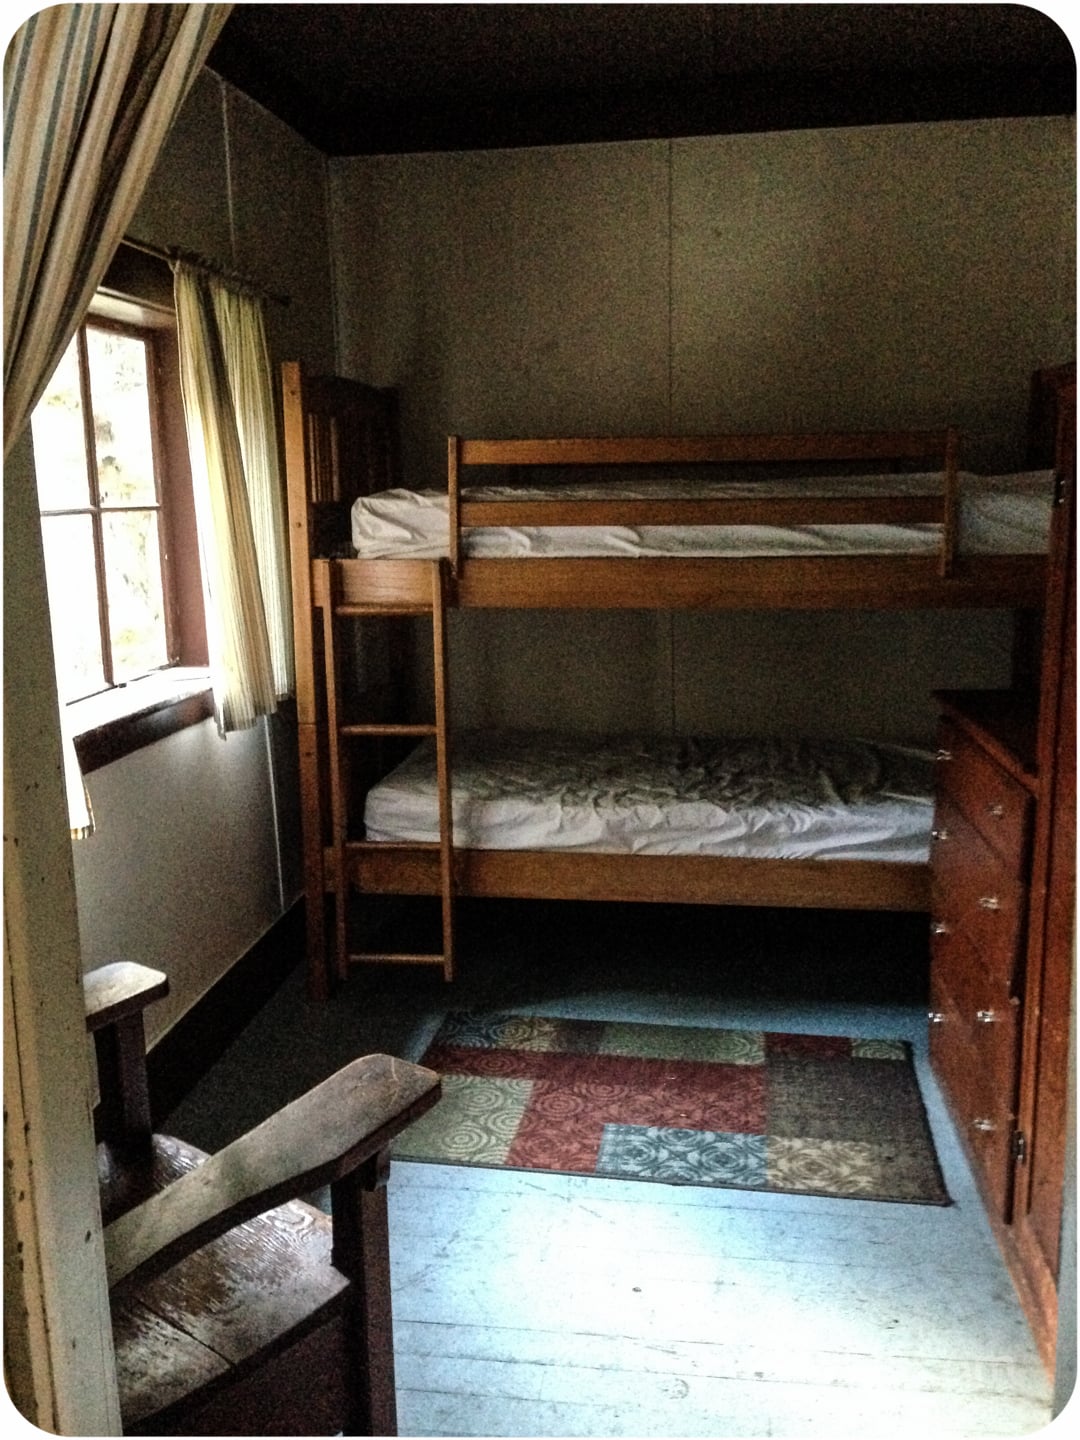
[893, 275]
[196, 851]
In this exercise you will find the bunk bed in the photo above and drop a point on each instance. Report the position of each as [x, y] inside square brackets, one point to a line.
[753, 522]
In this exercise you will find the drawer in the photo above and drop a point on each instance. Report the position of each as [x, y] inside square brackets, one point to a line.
[984, 1123]
[983, 1010]
[993, 801]
[974, 891]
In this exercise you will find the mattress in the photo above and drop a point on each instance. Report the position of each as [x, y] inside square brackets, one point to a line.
[773, 798]
[1001, 514]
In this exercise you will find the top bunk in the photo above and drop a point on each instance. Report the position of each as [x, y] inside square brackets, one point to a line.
[869, 520]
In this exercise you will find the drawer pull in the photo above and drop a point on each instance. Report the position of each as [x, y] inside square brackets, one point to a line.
[996, 809]
[940, 835]
[989, 902]
[984, 1125]
[938, 927]
[942, 755]
[936, 1017]
[986, 1017]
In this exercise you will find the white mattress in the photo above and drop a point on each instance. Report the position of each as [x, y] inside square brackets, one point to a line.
[794, 799]
[1002, 514]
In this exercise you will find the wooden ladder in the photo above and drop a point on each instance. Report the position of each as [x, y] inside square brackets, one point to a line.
[342, 733]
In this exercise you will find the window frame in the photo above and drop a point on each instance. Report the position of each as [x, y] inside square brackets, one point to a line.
[136, 296]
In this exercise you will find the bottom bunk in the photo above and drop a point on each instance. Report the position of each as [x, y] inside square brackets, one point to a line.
[819, 823]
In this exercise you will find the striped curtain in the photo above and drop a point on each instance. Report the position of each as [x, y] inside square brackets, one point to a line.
[242, 326]
[90, 92]
[228, 436]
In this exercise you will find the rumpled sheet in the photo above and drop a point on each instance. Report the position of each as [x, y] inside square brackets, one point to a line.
[778, 798]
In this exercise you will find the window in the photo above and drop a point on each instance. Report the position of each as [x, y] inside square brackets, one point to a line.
[118, 530]
[100, 496]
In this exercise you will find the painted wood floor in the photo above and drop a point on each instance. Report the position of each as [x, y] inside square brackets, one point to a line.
[548, 1305]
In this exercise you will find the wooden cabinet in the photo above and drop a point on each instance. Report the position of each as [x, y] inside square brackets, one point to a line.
[980, 857]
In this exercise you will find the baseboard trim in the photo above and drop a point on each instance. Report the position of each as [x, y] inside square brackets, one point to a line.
[181, 1058]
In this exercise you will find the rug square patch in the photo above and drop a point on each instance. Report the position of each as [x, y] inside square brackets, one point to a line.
[474, 1123]
[817, 1099]
[683, 1042]
[693, 1157]
[737, 1103]
[850, 1168]
[519, 1032]
[821, 1046]
[879, 1050]
[559, 1131]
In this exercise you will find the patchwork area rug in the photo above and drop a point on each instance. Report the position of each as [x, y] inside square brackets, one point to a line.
[744, 1109]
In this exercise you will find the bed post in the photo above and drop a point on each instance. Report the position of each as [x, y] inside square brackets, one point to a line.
[440, 584]
[299, 515]
[453, 502]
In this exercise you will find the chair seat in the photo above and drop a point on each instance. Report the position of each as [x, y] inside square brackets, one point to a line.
[261, 1301]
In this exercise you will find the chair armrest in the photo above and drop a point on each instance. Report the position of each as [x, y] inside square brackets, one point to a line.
[312, 1142]
[114, 992]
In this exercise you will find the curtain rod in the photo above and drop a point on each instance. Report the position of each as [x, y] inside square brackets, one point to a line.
[200, 262]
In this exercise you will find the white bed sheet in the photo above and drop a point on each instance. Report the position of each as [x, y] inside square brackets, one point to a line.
[776, 798]
[1002, 514]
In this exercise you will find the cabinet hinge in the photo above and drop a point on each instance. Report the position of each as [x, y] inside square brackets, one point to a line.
[1018, 1146]
[1061, 487]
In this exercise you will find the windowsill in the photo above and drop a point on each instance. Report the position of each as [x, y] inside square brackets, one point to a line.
[118, 722]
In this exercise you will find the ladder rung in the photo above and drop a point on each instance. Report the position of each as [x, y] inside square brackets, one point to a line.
[394, 958]
[373, 845]
[387, 730]
[386, 611]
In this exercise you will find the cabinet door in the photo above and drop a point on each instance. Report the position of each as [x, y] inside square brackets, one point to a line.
[974, 1058]
[975, 892]
[1047, 999]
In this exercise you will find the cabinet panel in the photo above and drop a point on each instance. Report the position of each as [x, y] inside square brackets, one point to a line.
[976, 891]
[985, 1011]
[994, 802]
[984, 1122]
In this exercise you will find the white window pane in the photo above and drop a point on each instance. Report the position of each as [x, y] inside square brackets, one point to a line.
[136, 602]
[121, 397]
[73, 604]
[59, 439]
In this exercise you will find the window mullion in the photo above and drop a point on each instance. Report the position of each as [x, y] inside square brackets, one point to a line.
[90, 442]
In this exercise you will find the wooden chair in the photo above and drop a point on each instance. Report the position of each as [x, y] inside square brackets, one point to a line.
[238, 1309]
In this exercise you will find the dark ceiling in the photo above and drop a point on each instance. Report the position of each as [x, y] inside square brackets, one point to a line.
[373, 79]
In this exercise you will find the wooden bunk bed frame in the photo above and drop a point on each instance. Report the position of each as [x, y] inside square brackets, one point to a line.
[340, 442]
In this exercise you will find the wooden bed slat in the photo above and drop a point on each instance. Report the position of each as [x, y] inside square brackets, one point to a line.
[849, 582]
[801, 582]
[394, 957]
[669, 879]
[822, 510]
[705, 449]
